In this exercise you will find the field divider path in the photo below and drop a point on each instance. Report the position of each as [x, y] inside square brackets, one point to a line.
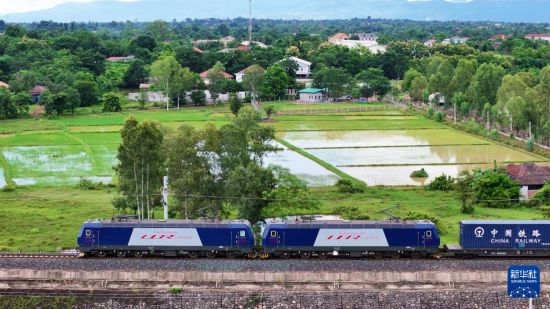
[85, 146]
[433, 164]
[396, 146]
[6, 169]
[324, 164]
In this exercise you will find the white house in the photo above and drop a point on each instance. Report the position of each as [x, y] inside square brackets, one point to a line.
[312, 95]
[430, 43]
[304, 67]
[239, 76]
[538, 36]
[367, 37]
[455, 40]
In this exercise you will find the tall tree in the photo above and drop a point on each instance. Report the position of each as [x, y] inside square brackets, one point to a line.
[164, 70]
[183, 82]
[216, 81]
[276, 82]
[252, 81]
[336, 81]
[485, 84]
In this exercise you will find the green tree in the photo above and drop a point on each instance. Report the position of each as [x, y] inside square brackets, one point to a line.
[464, 72]
[183, 82]
[276, 82]
[163, 70]
[235, 104]
[493, 188]
[8, 110]
[252, 81]
[87, 88]
[464, 188]
[135, 74]
[375, 81]
[335, 80]
[418, 85]
[410, 75]
[485, 84]
[111, 102]
[140, 167]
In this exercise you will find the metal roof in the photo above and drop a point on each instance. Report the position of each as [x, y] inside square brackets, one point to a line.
[505, 222]
[310, 90]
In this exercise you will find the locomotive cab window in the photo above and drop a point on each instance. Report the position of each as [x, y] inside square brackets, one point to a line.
[242, 234]
[428, 233]
[273, 233]
[88, 233]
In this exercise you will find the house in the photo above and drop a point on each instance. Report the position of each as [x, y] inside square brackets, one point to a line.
[531, 177]
[538, 36]
[338, 37]
[149, 96]
[240, 75]
[255, 43]
[198, 50]
[455, 40]
[121, 59]
[204, 76]
[4, 85]
[243, 48]
[36, 93]
[312, 95]
[226, 40]
[430, 43]
[367, 37]
[497, 37]
[304, 67]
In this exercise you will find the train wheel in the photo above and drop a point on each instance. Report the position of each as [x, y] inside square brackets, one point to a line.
[418, 255]
[101, 254]
[305, 255]
[193, 254]
[285, 255]
[232, 255]
[121, 254]
[322, 255]
[138, 254]
[210, 254]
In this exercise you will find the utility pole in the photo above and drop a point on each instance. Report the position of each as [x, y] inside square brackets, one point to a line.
[165, 197]
[454, 108]
[250, 24]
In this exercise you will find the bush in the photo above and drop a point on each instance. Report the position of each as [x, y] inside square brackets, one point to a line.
[472, 126]
[270, 110]
[439, 117]
[430, 112]
[494, 188]
[9, 188]
[530, 145]
[350, 213]
[88, 185]
[111, 102]
[542, 198]
[350, 187]
[493, 134]
[420, 174]
[442, 183]
[235, 104]
[198, 97]
[415, 215]
[176, 290]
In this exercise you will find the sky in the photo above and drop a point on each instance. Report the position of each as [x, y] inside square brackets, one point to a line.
[147, 10]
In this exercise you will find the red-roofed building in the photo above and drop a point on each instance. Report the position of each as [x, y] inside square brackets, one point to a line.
[36, 93]
[339, 37]
[538, 36]
[531, 177]
[243, 48]
[498, 37]
[4, 85]
[204, 76]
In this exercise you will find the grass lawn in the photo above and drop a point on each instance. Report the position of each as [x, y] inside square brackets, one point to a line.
[48, 219]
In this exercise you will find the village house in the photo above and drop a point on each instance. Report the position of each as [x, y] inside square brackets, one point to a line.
[239, 76]
[497, 37]
[204, 76]
[430, 43]
[455, 40]
[36, 93]
[538, 36]
[121, 59]
[531, 178]
[343, 39]
[254, 43]
[304, 67]
[312, 95]
[367, 37]
[4, 85]
[338, 37]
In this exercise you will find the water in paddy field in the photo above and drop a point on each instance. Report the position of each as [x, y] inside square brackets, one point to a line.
[57, 165]
[388, 157]
[3, 182]
[314, 174]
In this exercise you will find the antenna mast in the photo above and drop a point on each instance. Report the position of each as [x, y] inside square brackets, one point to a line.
[250, 23]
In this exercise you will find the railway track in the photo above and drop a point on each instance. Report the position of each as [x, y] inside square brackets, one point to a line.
[39, 255]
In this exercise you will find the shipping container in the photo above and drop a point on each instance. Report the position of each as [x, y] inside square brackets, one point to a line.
[505, 234]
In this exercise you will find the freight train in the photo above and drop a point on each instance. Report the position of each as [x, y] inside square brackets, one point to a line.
[311, 236]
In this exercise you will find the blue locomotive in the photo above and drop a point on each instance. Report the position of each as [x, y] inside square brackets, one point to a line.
[168, 238]
[313, 237]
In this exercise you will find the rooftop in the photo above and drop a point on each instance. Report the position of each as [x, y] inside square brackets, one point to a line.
[529, 173]
[205, 74]
[311, 90]
[4, 85]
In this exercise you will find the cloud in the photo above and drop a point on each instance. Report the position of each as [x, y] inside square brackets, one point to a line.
[23, 6]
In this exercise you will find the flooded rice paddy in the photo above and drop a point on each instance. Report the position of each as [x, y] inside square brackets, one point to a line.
[2, 179]
[388, 157]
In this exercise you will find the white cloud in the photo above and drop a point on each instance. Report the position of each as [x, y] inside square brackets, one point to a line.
[22, 6]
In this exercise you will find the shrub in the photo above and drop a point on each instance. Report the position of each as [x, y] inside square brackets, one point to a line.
[442, 183]
[111, 102]
[235, 104]
[350, 213]
[350, 187]
[439, 117]
[430, 112]
[176, 290]
[494, 188]
[530, 145]
[420, 174]
[542, 198]
[415, 215]
[88, 185]
[9, 188]
[270, 110]
[493, 134]
[472, 126]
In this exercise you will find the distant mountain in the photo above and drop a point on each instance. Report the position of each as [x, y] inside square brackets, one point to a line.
[148, 10]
